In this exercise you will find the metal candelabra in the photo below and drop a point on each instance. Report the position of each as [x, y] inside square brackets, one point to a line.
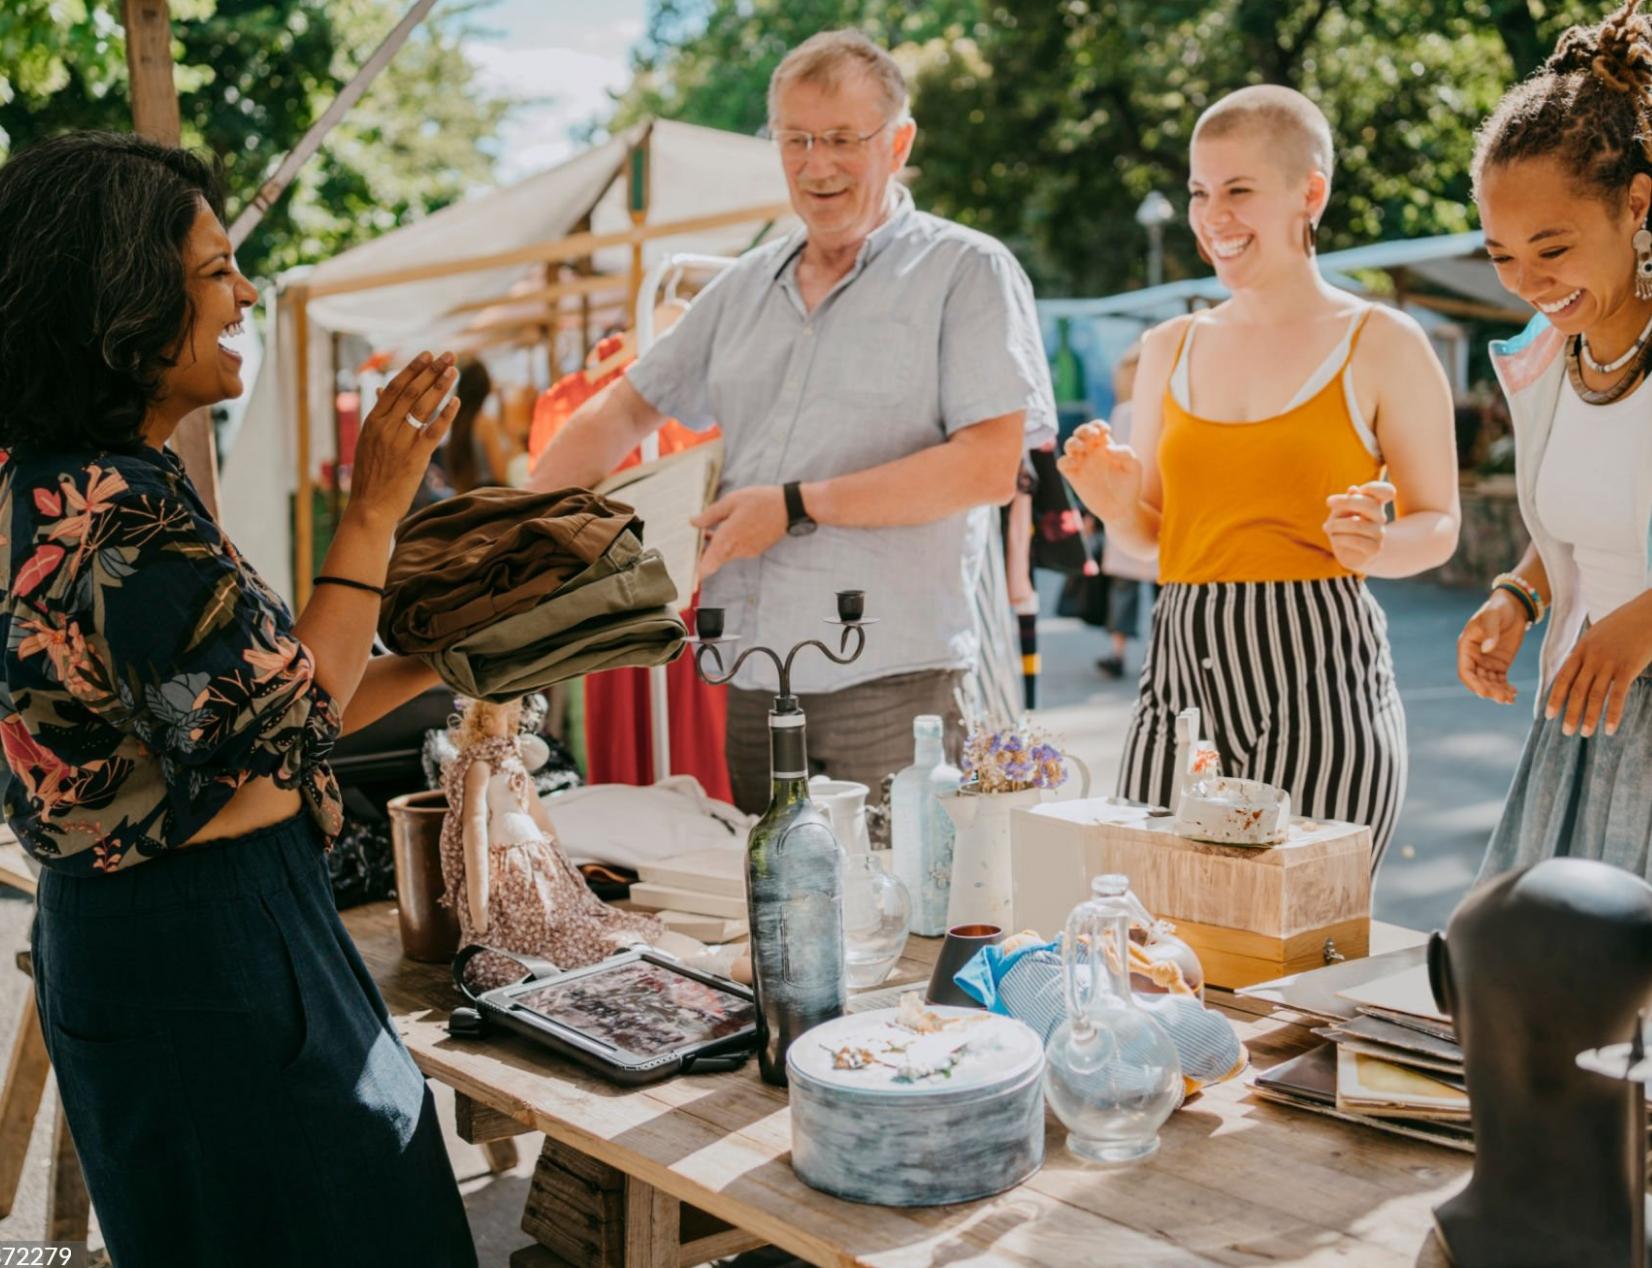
[710, 639]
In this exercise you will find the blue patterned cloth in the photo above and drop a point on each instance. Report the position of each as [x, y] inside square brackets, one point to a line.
[1027, 984]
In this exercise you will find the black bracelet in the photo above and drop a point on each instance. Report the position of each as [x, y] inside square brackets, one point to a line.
[325, 580]
[1508, 587]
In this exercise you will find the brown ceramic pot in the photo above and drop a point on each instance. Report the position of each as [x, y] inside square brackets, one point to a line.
[430, 932]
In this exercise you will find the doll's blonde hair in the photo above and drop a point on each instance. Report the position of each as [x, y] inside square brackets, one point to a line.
[468, 730]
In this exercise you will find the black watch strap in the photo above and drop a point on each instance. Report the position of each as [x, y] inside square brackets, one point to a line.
[795, 514]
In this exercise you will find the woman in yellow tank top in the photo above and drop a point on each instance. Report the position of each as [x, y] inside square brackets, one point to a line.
[1270, 435]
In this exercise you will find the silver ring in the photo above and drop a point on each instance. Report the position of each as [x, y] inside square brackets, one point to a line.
[417, 424]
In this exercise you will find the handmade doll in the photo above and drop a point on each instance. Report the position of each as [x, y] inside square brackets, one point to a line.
[507, 877]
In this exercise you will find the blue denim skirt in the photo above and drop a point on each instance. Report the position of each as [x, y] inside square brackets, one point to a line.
[235, 1088]
[1582, 798]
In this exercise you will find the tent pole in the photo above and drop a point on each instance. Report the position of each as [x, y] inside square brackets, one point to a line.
[659, 705]
[148, 26]
[569, 248]
[637, 202]
[335, 495]
[303, 509]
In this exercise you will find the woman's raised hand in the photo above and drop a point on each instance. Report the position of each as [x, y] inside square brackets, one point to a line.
[400, 433]
[1488, 645]
[1107, 477]
[1357, 522]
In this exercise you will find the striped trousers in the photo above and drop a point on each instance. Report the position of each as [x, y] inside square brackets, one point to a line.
[1295, 686]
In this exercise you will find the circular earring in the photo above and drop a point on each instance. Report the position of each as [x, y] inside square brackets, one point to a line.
[1309, 230]
[1642, 242]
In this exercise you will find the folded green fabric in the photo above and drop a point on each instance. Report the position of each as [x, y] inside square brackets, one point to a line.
[618, 612]
[466, 561]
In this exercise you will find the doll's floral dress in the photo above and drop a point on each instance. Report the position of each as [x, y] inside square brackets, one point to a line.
[538, 903]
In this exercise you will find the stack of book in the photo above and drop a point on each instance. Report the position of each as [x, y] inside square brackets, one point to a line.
[1391, 1059]
[701, 893]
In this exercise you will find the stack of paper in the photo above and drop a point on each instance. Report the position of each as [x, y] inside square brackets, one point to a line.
[1392, 1061]
[1380, 1070]
[701, 893]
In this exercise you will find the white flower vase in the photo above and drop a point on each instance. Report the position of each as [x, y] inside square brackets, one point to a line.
[982, 884]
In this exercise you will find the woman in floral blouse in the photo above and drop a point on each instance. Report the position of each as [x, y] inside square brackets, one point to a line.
[234, 1087]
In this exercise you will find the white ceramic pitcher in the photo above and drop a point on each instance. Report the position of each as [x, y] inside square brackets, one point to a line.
[845, 805]
[983, 886]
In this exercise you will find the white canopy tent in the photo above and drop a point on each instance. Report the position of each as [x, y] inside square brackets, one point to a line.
[509, 264]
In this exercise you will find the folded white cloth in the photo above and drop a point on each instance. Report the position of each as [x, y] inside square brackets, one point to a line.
[627, 826]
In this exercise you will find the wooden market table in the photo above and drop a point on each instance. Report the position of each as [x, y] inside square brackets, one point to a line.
[698, 1166]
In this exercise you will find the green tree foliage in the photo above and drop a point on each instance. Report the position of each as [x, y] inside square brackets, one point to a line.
[1045, 122]
[710, 63]
[252, 75]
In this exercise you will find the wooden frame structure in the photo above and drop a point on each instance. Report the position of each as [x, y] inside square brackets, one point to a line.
[572, 250]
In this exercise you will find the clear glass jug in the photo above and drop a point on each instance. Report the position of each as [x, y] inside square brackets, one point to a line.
[1112, 1075]
[877, 915]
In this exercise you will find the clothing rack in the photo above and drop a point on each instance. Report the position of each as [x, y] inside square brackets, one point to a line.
[666, 274]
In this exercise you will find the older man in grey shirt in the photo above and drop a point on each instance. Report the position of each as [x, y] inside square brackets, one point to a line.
[877, 377]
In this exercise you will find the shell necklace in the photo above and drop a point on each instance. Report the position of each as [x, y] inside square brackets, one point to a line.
[1612, 367]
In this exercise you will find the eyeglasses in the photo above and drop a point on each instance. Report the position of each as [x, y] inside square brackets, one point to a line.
[844, 143]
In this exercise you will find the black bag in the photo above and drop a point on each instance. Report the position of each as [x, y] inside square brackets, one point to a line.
[1059, 542]
[362, 864]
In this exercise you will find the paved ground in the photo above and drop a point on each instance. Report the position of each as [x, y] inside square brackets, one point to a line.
[1463, 751]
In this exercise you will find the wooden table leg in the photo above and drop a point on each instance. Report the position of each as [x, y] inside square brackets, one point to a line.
[481, 1125]
[68, 1209]
[586, 1213]
[576, 1207]
[20, 1099]
[652, 1223]
[501, 1155]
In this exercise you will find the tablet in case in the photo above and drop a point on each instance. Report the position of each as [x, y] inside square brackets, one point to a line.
[635, 1018]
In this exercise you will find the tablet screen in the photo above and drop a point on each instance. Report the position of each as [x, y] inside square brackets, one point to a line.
[641, 1008]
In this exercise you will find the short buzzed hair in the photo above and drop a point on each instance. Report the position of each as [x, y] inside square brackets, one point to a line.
[822, 60]
[1281, 114]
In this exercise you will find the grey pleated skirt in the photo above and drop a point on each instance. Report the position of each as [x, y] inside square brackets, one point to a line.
[1582, 798]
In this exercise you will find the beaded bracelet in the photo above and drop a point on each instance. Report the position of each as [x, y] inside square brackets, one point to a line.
[325, 580]
[1525, 592]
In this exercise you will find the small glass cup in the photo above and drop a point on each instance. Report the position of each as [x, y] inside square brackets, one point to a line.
[877, 914]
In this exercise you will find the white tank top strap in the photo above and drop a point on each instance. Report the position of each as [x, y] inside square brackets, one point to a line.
[1179, 390]
[1336, 362]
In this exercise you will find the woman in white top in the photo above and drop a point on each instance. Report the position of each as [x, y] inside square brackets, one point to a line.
[1563, 178]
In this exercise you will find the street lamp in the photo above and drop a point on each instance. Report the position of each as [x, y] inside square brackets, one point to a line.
[1153, 215]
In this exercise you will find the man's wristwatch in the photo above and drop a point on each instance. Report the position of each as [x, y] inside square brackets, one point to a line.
[798, 523]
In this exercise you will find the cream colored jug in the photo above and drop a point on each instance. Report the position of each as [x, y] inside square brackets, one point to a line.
[845, 805]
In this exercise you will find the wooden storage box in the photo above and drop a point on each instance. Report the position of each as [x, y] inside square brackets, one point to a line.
[1251, 913]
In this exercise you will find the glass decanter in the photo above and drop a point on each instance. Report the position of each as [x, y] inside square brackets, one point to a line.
[1112, 1075]
[877, 913]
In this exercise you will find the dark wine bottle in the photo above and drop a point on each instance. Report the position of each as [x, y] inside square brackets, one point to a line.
[794, 899]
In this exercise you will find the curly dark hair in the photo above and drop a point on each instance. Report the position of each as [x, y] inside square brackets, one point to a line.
[1589, 106]
[92, 284]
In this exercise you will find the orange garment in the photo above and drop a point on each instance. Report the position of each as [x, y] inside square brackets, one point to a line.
[1246, 501]
[557, 404]
[618, 716]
